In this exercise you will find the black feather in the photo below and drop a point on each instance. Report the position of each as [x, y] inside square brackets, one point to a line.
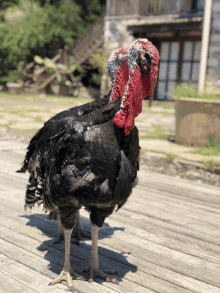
[81, 158]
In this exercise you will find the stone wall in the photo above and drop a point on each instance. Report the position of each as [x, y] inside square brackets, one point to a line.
[213, 66]
[116, 35]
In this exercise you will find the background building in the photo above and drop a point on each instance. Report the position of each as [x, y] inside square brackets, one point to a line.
[176, 29]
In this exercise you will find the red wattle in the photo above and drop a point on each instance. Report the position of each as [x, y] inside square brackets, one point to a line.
[132, 102]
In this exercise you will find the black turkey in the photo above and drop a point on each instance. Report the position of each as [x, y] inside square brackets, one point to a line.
[92, 160]
[37, 145]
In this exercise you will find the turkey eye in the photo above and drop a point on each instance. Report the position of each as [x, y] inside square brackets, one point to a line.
[147, 62]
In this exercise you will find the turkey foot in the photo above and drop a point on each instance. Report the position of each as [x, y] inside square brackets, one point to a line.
[64, 276]
[67, 275]
[93, 269]
[66, 272]
[104, 275]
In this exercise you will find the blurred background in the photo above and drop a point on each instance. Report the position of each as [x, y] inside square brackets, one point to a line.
[61, 47]
[53, 56]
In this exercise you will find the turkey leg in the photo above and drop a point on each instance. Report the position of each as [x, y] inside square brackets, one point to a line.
[60, 234]
[78, 232]
[66, 273]
[93, 268]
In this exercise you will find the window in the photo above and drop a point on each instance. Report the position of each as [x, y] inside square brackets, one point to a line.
[179, 64]
[168, 71]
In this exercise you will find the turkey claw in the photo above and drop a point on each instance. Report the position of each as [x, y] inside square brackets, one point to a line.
[67, 276]
[64, 276]
[104, 275]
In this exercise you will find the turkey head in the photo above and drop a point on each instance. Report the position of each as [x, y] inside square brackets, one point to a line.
[134, 76]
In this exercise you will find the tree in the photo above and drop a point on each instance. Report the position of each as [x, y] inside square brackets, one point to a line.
[6, 3]
[37, 31]
[41, 27]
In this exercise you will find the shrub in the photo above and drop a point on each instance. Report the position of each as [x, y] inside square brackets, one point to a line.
[190, 92]
[38, 31]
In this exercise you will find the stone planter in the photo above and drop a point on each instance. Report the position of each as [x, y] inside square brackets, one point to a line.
[14, 88]
[197, 121]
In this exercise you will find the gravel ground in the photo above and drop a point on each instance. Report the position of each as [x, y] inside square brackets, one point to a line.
[180, 169]
[10, 134]
[151, 161]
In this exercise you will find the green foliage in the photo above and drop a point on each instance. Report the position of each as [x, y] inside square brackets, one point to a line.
[41, 27]
[73, 65]
[65, 21]
[63, 72]
[38, 30]
[190, 92]
[97, 60]
[170, 158]
[50, 70]
[212, 148]
[95, 9]
[96, 78]
[8, 3]
[99, 57]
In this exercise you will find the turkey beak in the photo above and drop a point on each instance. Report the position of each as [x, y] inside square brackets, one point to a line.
[145, 61]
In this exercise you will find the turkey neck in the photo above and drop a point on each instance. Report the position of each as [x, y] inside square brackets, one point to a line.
[97, 117]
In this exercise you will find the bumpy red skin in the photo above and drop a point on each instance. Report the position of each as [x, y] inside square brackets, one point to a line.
[127, 81]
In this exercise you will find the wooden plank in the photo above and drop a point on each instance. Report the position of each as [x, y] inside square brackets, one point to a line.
[44, 267]
[154, 234]
[12, 158]
[181, 210]
[191, 209]
[19, 178]
[168, 200]
[149, 277]
[148, 228]
[151, 242]
[144, 193]
[175, 218]
[15, 184]
[12, 192]
[55, 256]
[24, 230]
[162, 181]
[167, 238]
[11, 285]
[151, 267]
[32, 279]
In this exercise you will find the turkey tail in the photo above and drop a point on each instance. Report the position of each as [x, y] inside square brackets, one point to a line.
[123, 186]
[30, 149]
[32, 197]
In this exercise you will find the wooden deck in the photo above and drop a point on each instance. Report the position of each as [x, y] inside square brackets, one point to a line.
[165, 239]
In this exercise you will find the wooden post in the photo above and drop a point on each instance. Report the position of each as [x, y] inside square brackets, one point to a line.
[113, 10]
[205, 44]
[60, 51]
[178, 6]
[108, 7]
[65, 55]
[136, 7]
